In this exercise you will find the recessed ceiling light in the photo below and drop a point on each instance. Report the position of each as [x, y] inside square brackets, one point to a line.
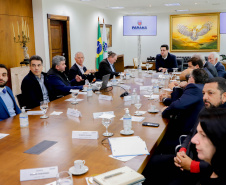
[116, 7]
[181, 10]
[196, 3]
[149, 5]
[172, 4]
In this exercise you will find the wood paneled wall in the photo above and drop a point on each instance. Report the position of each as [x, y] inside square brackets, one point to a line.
[11, 11]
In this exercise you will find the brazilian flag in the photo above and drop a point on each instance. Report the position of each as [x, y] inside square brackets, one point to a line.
[99, 56]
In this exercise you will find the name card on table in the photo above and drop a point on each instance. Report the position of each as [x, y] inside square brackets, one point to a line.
[3, 135]
[38, 173]
[74, 112]
[74, 91]
[96, 115]
[127, 98]
[105, 97]
[144, 88]
[85, 134]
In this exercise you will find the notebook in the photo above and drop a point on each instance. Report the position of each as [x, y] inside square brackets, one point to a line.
[120, 176]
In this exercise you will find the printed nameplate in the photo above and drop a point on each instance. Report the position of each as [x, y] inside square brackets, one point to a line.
[85, 134]
[105, 97]
[96, 115]
[127, 98]
[74, 112]
[38, 173]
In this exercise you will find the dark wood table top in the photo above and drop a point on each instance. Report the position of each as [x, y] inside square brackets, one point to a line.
[67, 150]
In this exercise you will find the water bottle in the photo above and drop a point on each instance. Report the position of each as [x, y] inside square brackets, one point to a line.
[114, 81]
[156, 88]
[23, 118]
[134, 96]
[127, 122]
[89, 90]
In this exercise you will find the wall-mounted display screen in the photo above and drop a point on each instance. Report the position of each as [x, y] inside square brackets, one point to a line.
[139, 25]
[223, 23]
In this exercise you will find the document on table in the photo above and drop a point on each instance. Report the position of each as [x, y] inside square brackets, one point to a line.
[96, 115]
[135, 118]
[127, 146]
[72, 99]
[35, 112]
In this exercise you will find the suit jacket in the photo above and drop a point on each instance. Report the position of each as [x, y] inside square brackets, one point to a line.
[220, 69]
[208, 72]
[32, 92]
[183, 111]
[105, 68]
[169, 63]
[211, 68]
[76, 71]
[60, 84]
[4, 113]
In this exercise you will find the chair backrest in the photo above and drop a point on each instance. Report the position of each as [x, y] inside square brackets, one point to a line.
[20, 100]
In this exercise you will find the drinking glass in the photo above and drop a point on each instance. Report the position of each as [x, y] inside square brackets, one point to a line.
[64, 178]
[74, 95]
[44, 107]
[138, 106]
[147, 66]
[99, 84]
[150, 90]
[121, 78]
[106, 122]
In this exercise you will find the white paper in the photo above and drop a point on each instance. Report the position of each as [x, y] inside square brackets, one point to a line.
[56, 113]
[85, 134]
[127, 146]
[123, 158]
[139, 80]
[38, 173]
[96, 115]
[3, 135]
[154, 96]
[74, 90]
[108, 116]
[72, 99]
[74, 112]
[168, 89]
[82, 93]
[35, 112]
[90, 181]
[127, 98]
[135, 118]
[105, 97]
[141, 112]
[144, 88]
[52, 183]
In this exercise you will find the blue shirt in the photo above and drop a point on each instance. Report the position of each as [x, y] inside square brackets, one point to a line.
[111, 65]
[8, 102]
[43, 87]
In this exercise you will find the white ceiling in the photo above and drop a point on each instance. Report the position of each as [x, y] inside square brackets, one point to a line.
[142, 7]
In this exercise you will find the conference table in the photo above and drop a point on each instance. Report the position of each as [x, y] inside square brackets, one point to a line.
[59, 128]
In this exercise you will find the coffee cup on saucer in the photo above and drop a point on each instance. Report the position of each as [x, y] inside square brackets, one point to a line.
[79, 165]
[152, 108]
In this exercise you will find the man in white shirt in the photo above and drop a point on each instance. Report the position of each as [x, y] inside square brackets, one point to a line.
[213, 58]
[8, 106]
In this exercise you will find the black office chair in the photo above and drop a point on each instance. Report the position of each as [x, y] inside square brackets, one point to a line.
[20, 100]
[180, 64]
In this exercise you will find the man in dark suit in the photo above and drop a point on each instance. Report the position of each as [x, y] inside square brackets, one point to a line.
[8, 106]
[79, 69]
[213, 58]
[35, 86]
[184, 109]
[206, 65]
[107, 65]
[165, 60]
[57, 79]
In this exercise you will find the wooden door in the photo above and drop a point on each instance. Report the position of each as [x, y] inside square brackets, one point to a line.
[59, 40]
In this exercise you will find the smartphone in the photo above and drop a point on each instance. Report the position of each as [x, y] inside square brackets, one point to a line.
[149, 124]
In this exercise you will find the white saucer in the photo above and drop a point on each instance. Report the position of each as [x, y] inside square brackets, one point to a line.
[123, 132]
[84, 90]
[137, 114]
[153, 111]
[74, 172]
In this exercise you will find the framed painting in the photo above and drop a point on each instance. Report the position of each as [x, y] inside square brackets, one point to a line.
[108, 32]
[195, 32]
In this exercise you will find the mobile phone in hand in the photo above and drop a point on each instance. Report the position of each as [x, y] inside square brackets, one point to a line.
[149, 124]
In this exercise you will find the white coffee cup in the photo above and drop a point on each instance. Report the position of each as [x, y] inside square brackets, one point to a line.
[152, 108]
[79, 165]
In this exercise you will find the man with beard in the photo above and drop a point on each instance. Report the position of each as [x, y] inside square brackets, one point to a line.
[8, 106]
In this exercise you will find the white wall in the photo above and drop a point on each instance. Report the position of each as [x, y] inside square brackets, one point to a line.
[83, 32]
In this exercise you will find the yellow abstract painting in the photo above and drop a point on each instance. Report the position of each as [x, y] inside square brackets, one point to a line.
[195, 32]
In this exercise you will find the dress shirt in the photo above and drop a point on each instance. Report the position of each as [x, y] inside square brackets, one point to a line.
[80, 68]
[111, 65]
[8, 102]
[43, 87]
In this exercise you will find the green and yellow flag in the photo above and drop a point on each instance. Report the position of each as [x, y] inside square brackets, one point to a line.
[99, 55]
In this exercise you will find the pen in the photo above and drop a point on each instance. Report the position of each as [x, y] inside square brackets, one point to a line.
[112, 175]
